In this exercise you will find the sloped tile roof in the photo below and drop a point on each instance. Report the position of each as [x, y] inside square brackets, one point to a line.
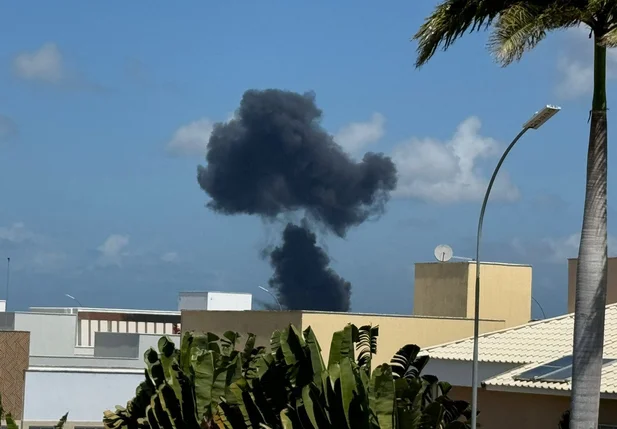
[609, 380]
[535, 342]
[531, 345]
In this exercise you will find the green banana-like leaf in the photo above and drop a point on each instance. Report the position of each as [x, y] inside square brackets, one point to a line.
[406, 363]
[219, 382]
[367, 346]
[292, 345]
[275, 342]
[185, 351]
[313, 407]
[249, 346]
[204, 374]
[171, 406]
[383, 396]
[229, 342]
[342, 345]
[190, 414]
[348, 388]
[237, 389]
[285, 420]
[317, 362]
[159, 413]
[154, 367]
[168, 359]
[432, 417]
[151, 418]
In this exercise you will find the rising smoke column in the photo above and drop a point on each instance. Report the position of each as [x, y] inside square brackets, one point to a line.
[302, 276]
[274, 157]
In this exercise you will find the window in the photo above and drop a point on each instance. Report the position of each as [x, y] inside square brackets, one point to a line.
[88, 427]
[41, 427]
[559, 370]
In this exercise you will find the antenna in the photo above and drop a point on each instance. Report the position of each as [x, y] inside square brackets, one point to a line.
[443, 253]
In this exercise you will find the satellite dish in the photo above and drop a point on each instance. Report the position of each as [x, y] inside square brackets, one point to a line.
[443, 253]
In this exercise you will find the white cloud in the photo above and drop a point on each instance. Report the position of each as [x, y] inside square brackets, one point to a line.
[576, 77]
[567, 247]
[191, 139]
[575, 65]
[356, 136]
[112, 250]
[44, 64]
[17, 233]
[448, 172]
[169, 257]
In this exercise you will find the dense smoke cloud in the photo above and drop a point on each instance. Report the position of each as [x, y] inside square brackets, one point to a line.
[302, 276]
[274, 157]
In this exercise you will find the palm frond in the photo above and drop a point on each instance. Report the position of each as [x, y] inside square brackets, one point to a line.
[518, 29]
[522, 26]
[519, 24]
[451, 19]
[609, 40]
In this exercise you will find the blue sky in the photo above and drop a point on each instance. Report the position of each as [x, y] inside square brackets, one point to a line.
[105, 110]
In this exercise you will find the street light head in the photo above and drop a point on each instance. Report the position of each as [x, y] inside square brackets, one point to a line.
[69, 296]
[263, 288]
[541, 117]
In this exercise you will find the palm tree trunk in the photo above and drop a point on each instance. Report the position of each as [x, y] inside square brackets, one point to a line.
[590, 299]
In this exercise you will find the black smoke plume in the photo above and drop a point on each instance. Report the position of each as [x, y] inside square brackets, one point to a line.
[274, 157]
[302, 275]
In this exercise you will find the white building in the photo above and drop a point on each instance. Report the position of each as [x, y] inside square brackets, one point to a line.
[86, 360]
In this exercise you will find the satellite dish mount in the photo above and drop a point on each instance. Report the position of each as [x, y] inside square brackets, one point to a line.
[443, 253]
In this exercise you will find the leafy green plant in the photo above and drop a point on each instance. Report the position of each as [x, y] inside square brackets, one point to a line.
[208, 383]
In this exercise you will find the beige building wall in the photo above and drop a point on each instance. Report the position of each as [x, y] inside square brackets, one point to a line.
[448, 290]
[260, 323]
[441, 289]
[394, 331]
[533, 411]
[611, 280]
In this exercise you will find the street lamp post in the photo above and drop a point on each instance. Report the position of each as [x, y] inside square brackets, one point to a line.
[273, 296]
[8, 281]
[536, 121]
[73, 298]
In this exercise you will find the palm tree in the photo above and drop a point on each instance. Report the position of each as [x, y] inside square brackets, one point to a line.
[518, 26]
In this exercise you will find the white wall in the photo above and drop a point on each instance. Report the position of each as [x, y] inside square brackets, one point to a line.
[229, 301]
[48, 395]
[50, 334]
